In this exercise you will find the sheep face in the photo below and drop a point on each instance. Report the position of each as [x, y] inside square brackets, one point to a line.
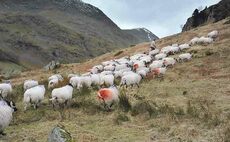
[12, 105]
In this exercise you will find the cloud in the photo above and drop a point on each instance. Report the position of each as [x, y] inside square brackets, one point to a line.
[162, 17]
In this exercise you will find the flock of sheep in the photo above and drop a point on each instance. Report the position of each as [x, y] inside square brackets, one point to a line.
[128, 70]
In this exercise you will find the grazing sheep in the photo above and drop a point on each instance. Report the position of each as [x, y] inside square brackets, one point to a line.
[184, 57]
[53, 83]
[56, 76]
[131, 79]
[184, 46]
[76, 82]
[29, 84]
[175, 45]
[62, 96]
[169, 61]
[34, 96]
[159, 71]
[107, 80]
[194, 41]
[109, 68]
[160, 56]
[86, 81]
[108, 96]
[6, 110]
[154, 52]
[205, 40]
[156, 64]
[213, 34]
[119, 73]
[5, 89]
[95, 78]
[121, 66]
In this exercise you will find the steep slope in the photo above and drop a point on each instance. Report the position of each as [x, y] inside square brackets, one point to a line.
[34, 32]
[211, 14]
[191, 103]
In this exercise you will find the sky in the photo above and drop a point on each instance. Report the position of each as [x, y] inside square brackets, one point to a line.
[162, 17]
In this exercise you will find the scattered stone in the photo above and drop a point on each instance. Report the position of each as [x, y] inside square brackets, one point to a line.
[59, 134]
[52, 65]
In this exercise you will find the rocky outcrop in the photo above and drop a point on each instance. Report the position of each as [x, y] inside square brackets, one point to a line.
[211, 14]
[59, 134]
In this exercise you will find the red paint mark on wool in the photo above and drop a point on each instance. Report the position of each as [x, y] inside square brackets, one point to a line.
[104, 94]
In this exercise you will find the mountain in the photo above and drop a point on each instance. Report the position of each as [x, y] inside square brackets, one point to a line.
[211, 14]
[142, 34]
[34, 32]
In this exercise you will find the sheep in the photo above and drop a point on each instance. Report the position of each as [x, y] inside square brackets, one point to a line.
[62, 96]
[108, 96]
[213, 34]
[34, 96]
[119, 73]
[154, 52]
[184, 57]
[53, 83]
[95, 78]
[107, 80]
[131, 79]
[169, 61]
[156, 64]
[159, 71]
[175, 45]
[121, 66]
[152, 45]
[71, 75]
[109, 68]
[76, 82]
[56, 76]
[160, 56]
[184, 46]
[106, 72]
[5, 89]
[139, 64]
[194, 41]
[205, 40]
[6, 110]
[86, 81]
[29, 84]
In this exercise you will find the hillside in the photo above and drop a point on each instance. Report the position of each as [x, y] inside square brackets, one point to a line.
[34, 32]
[208, 15]
[191, 103]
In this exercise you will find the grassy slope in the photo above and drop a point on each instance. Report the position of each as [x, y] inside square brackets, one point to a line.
[190, 104]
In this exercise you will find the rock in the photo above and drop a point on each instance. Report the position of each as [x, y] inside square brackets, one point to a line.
[59, 134]
[52, 65]
[211, 14]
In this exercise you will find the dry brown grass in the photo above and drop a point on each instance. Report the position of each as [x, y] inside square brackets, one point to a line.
[190, 104]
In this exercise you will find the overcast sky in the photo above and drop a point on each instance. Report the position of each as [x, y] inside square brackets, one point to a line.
[162, 17]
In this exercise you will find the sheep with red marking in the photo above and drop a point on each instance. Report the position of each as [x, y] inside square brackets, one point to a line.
[159, 71]
[108, 96]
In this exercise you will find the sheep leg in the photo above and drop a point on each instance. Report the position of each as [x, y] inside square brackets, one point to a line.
[137, 85]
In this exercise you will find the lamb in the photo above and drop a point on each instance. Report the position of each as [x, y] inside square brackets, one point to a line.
[131, 79]
[6, 110]
[29, 84]
[107, 80]
[213, 34]
[108, 96]
[160, 56]
[34, 96]
[5, 89]
[62, 96]
[184, 46]
[169, 61]
[185, 57]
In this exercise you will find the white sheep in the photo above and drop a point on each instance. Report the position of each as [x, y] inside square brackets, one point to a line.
[76, 82]
[213, 34]
[184, 46]
[71, 75]
[185, 57]
[156, 64]
[205, 40]
[62, 95]
[119, 73]
[86, 81]
[29, 84]
[154, 52]
[121, 66]
[194, 41]
[169, 61]
[107, 80]
[5, 89]
[53, 83]
[108, 96]
[159, 71]
[96, 80]
[109, 68]
[56, 76]
[131, 79]
[6, 111]
[160, 56]
[34, 96]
